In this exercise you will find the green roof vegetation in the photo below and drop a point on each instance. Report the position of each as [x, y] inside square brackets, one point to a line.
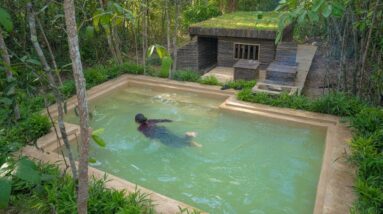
[256, 20]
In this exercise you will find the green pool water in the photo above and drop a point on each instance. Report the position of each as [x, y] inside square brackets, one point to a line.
[247, 164]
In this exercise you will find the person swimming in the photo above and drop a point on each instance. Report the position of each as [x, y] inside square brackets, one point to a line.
[151, 130]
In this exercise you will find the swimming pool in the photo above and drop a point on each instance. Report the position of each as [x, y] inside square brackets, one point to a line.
[247, 164]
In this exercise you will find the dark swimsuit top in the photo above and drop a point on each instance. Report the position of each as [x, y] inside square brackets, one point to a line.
[151, 130]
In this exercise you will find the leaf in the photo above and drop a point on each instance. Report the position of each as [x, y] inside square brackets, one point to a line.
[98, 131]
[11, 90]
[96, 20]
[327, 11]
[302, 17]
[317, 5]
[33, 61]
[92, 160]
[150, 50]
[5, 20]
[89, 32]
[47, 177]
[97, 139]
[161, 51]
[313, 16]
[6, 101]
[5, 193]
[166, 64]
[25, 170]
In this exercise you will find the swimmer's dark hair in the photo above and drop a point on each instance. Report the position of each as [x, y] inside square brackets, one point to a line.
[140, 118]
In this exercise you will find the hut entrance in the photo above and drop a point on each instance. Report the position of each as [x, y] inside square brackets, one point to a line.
[207, 53]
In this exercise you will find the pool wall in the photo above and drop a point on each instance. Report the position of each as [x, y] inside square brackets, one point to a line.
[334, 189]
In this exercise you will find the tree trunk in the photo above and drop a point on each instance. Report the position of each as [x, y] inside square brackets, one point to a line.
[8, 72]
[74, 49]
[145, 34]
[53, 86]
[167, 25]
[175, 51]
[109, 35]
[50, 51]
[368, 43]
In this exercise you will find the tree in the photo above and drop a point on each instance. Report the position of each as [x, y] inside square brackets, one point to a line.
[175, 51]
[74, 50]
[6, 23]
[53, 85]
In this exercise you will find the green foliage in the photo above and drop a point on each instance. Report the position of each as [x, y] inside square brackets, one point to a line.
[97, 138]
[257, 5]
[12, 172]
[241, 84]
[95, 76]
[166, 59]
[190, 76]
[68, 88]
[283, 100]
[35, 126]
[209, 80]
[5, 20]
[367, 121]
[337, 103]
[199, 12]
[301, 11]
[56, 192]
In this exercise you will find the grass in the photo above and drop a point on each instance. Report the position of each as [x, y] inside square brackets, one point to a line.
[243, 20]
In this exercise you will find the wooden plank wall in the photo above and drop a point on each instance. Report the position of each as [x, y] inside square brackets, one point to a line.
[188, 56]
[226, 50]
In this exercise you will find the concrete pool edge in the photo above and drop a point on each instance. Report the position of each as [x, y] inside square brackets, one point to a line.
[334, 190]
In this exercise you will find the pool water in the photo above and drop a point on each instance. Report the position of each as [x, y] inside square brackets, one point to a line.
[247, 164]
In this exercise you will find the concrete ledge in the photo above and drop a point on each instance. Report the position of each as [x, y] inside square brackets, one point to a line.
[334, 190]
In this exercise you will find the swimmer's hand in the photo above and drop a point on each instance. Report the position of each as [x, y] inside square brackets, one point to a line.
[191, 134]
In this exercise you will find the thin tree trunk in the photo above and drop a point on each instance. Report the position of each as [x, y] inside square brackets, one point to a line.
[168, 44]
[52, 56]
[116, 44]
[367, 45]
[8, 72]
[175, 51]
[53, 86]
[145, 34]
[74, 49]
[108, 32]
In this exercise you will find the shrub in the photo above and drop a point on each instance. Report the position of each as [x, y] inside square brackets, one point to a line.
[370, 197]
[56, 192]
[367, 121]
[209, 80]
[191, 76]
[339, 104]
[34, 126]
[199, 12]
[68, 88]
[132, 68]
[241, 84]
[95, 76]
[282, 100]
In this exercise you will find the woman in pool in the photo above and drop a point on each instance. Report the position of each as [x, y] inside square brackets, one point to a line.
[151, 130]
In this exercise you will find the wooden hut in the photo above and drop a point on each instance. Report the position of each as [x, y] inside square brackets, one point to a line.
[246, 38]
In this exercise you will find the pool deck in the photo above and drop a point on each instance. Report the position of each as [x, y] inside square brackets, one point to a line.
[334, 191]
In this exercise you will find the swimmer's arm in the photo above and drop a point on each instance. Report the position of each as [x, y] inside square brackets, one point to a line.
[161, 121]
